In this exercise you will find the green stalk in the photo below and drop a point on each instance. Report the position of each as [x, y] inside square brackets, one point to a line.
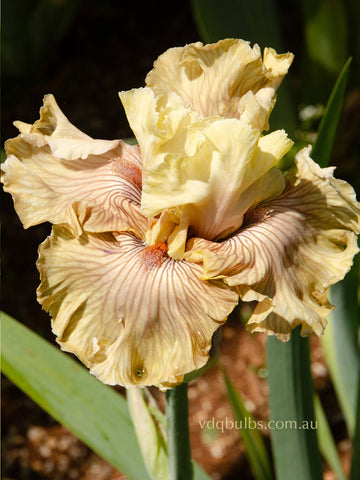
[293, 435]
[177, 425]
[355, 464]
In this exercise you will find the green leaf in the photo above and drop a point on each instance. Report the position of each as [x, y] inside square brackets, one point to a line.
[340, 344]
[254, 445]
[321, 20]
[327, 129]
[2, 155]
[92, 411]
[293, 437]
[239, 19]
[130, 141]
[327, 39]
[326, 441]
[150, 433]
[340, 337]
[32, 32]
[355, 464]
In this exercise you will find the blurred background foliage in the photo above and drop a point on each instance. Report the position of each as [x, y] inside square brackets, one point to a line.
[32, 31]
[83, 48]
[85, 51]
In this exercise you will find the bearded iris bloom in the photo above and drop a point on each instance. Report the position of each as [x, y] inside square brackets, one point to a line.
[153, 245]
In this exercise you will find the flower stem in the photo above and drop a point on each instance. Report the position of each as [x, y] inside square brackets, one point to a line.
[177, 413]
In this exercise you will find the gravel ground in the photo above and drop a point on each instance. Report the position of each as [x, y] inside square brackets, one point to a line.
[110, 46]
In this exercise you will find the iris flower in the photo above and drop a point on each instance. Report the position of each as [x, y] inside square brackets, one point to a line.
[153, 245]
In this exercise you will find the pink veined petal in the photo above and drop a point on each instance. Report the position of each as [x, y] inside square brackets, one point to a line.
[129, 312]
[207, 172]
[289, 251]
[101, 192]
[227, 78]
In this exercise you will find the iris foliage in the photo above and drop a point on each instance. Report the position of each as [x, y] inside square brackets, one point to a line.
[100, 417]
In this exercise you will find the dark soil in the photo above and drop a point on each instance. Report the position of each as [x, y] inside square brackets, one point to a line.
[110, 46]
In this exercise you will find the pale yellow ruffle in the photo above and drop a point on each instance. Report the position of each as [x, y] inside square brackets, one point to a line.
[129, 312]
[227, 78]
[289, 251]
[128, 293]
[206, 171]
[58, 174]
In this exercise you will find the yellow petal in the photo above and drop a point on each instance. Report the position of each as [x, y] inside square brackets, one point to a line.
[241, 174]
[228, 78]
[65, 140]
[100, 192]
[128, 311]
[289, 251]
[207, 171]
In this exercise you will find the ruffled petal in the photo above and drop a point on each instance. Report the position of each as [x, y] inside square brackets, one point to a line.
[228, 78]
[128, 311]
[208, 172]
[289, 251]
[98, 191]
[65, 140]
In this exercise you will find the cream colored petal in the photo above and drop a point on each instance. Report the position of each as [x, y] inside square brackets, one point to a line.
[128, 311]
[289, 251]
[176, 156]
[228, 78]
[201, 168]
[101, 192]
[65, 140]
[241, 174]
[168, 228]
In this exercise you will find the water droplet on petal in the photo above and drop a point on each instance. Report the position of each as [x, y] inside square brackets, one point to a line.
[140, 372]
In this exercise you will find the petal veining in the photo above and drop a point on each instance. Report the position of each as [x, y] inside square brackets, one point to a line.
[208, 171]
[128, 311]
[99, 191]
[289, 251]
[228, 78]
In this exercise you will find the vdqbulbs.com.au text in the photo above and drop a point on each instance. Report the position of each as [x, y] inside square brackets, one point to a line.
[251, 424]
